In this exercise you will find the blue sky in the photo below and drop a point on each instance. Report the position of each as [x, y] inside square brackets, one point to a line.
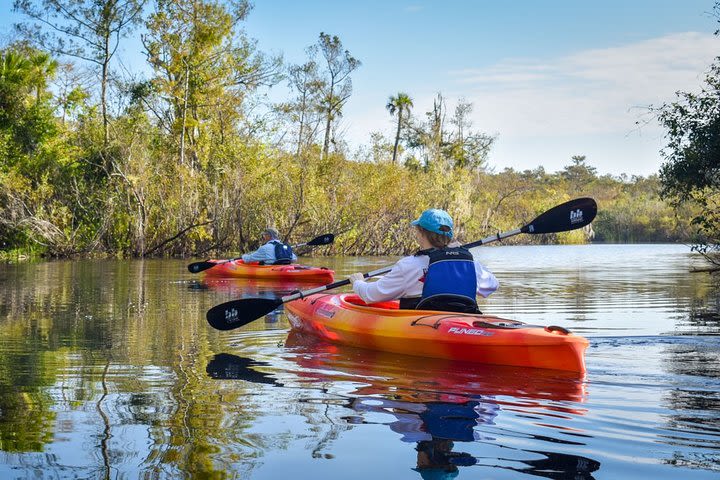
[551, 79]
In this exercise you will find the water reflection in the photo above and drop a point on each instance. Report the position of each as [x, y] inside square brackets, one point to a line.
[224, 366]
[104, 371]
[236, 288]
[446, 410]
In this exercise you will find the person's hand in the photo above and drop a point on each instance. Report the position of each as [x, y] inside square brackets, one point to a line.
[454, 244]
[355, 277]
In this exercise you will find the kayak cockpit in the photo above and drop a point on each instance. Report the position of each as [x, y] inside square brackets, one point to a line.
[387, 305]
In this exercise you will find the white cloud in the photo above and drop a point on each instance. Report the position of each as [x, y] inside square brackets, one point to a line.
[593, 91]
[587, 103]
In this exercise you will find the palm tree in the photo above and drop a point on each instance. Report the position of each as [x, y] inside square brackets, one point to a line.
[399, 103]
[14, 67]
[42, 68]
[27, 70]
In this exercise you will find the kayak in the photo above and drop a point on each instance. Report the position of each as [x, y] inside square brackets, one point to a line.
[295, 272]
[346, 319]
[254, 287]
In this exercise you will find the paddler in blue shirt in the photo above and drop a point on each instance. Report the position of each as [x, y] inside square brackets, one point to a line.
[272, 251]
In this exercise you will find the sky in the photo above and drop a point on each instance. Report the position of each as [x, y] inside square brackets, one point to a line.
[550, 79]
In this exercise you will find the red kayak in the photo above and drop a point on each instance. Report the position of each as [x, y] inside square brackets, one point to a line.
[294, 272]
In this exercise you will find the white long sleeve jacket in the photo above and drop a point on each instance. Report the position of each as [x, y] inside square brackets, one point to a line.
[405, 281]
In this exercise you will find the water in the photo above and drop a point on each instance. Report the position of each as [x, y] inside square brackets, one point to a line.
[109, 370]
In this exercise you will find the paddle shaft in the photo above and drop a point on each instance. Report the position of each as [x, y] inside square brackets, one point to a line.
[381, 271]
[570, 215]
[564, 217]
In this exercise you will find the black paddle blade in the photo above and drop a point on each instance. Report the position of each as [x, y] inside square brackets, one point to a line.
[566, 216]
[198, 267]
[326, 239]
[237, 313]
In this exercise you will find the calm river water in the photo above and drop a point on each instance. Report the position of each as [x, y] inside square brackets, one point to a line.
[108, 369]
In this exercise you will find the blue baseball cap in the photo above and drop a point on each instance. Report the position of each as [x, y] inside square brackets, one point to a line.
[436, 221]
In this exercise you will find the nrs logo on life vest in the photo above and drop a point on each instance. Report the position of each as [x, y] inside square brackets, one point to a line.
[469, 331]
[576, 216]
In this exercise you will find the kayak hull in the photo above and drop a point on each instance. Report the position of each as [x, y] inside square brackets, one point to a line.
[345, 319]
[293, 272]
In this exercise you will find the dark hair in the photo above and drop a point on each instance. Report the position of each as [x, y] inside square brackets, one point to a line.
[437, 240]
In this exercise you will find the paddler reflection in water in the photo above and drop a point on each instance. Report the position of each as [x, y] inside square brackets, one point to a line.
[272, 251]
[441, 276]
[438, 428]
[434, 426]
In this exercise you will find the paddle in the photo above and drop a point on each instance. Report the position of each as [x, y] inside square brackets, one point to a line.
[567, 216]
[198, 267]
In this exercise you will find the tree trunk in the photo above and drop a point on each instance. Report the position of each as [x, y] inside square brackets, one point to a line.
[184, 115]
[103, 88]
[326, 143]
[330, 108]
[397, 136]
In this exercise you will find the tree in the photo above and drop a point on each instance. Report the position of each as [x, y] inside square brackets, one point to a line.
[203, 68]
[25, 117]
[337, 84]
[399, 103]
[86, 29]
[579, 174]
[39, 188]
[305, 81]
[691, 172]
[428, 137]
[459, 147]
[70, 96]
[467, 149]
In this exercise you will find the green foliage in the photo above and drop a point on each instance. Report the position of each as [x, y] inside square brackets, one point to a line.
[441, 146]
[691, 173]
[184, 169]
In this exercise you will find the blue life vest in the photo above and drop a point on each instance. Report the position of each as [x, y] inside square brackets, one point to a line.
[450, 274]
[283, 253]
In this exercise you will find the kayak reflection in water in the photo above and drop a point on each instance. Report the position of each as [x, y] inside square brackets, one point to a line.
[441, 276]
[436, 427]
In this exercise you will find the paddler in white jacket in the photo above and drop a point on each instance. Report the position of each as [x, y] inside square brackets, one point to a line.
[438, 277]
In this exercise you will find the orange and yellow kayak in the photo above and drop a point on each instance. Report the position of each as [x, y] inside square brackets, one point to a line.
[346, 319]
[294, 272]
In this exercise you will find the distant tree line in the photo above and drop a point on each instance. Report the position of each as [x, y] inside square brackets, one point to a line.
[189, 160]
